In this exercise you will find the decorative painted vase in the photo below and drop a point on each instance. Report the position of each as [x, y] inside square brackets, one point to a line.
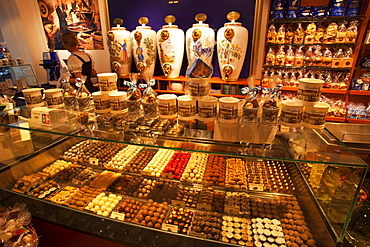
[144, 47]
[120, 48]
[200, 41]
[170, 45]
[232, 41]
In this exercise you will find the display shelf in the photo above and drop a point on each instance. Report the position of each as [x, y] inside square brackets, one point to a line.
[359, 92]
[307, 67]
[336, 119]
[324, 90]
[336, 44]
[315, 19]
[360, 121]
[363, 69]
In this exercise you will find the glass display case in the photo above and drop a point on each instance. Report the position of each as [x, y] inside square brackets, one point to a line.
[235, 185]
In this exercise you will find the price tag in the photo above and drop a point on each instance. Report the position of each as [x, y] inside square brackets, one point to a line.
[166, 175]
[258, 187]
[118, 216]
[94, 161]
[178, 203]
[231, 210]
[9, 82]
[145, 173]
[204, 207]
[169, 227]
[198, 234]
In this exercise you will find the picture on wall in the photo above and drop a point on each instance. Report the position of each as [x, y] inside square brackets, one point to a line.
[80, 17]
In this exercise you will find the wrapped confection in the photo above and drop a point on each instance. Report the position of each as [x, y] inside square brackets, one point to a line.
[299, 34]
[270, 57]
[348, 58]
[330, 33]
[317, 58]
[270, 107]
[133, 96]
[308, 56]
[319, 35]
[289, 57]
[327, 57]
[280, 36]
[338, 58]
[280, 57]
[299, 57]
[289, 35]
[310, 33]
[351, 32]
[341, 34]
[250, 104]
[271, 34]
[149, 100]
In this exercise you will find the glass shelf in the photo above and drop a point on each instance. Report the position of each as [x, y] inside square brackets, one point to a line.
[307, 67]
[336, 44]
[315, 19]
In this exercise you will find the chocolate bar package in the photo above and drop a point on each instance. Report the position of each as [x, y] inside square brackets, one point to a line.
[338, 7]
[353, 7]
[320, 11]
[305, 11]
[199, 69]
[292, 9]
[278, 9]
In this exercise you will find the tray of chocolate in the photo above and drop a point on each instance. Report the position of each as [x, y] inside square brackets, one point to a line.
[144, 188]
[164, 191]
[104, 179]
[186, 197]
[215, 170]
[295, 227]
[211, 200]
[104, 203]
[137, 164]
[127, 209]
[264, 207]
[62, 196]
[236, 230]
[123, 157]
[257, 176]
[179, 220]
[126, 184]
[278, 177]
[45, 189]
[236, 173]
[206, 225]
[82, 197]
[65, 176]
[237, 203]
[85, 176]
[267, 231]
[87, 150]
[152, 214]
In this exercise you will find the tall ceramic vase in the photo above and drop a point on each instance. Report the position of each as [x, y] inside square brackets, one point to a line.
[200, 40]
[120, 49]
[232, 42]
[144, 47]
[170, 45]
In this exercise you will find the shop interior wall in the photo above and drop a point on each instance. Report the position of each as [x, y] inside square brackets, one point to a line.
[185, 11]
[22, 29]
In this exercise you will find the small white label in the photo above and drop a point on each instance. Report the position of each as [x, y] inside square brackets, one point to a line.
[204, 207]
[178, 203]
[258, 187]
[169, 227]
[94, 161]
[118, 216]
[166, 175]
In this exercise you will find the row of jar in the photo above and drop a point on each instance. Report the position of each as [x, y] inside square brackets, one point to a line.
[143, 44]
[313, 33]
[312, 56]
[291, 77]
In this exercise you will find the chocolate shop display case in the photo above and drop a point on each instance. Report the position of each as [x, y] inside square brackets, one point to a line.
[275, 187]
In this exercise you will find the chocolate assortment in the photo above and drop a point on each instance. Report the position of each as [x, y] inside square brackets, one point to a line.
[188, 195]
[236, 230]
[181, 218]
[130, 208]
[207, 225]
[152, 214]
[45, 189]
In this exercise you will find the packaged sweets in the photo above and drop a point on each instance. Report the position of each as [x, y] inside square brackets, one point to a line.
[270, 57]
[299, 57]
[352, 32]
[327, 57]
[250, 105]
[280, 57]
[289, 57]
[278, 9]
[280, 36]
[271, 34]
[308, 57]
[270, 109]
[337, 7]
[292, 9]
[330, 33]
[319, 35]
[348, 58]
[299, 34]
[320, 11]
[310, 34]
[149, 100]
[305, 11]
[341, 34]
[317, 56]
[289, 35]
[353, 7]
[133, 96]
[337, 58]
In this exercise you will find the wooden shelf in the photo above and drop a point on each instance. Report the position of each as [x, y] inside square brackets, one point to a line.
[334, 44]
[359, 92]
[334, 91]
[315, 19]
[336, 119]
[227, 95]
[307, 67]
[295, 89]
[360, 121]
